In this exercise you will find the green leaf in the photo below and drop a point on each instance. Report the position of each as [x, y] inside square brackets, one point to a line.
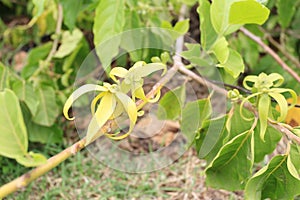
[262, 148]
[219, 13]
[69, 40]
[273, 181]
[47, 109]
[25, 92]
[70, 12]
[193, 54]
[286, 10]
[208, 33]
[232, 166]
[13, 133]
[294, 156]
[32, 159]
[221, 50]
[234, 64]
[248, 12]
[171, 104]
[33, 59]
[193, 116]
[3, 75]
[182, 27]
[263, 112]
[109, 21]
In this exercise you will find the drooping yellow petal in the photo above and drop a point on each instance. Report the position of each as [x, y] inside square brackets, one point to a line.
[103, 113]
[131, 111]
[77, 93]
[119, 72]
[277, 79]
[95, 100]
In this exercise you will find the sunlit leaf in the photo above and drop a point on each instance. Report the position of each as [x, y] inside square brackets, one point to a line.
[13, 133]
[32, 159]
[221, 50]
[70, 40]
[248, 12]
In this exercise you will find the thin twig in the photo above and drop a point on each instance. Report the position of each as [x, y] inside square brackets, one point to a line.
[271, 52]
[281, 49]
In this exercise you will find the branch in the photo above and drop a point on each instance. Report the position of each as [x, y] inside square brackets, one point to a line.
[282, 49]
[271, 52]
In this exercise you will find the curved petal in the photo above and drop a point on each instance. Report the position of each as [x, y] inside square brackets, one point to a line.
[95, 100]
[250, 78]
[282, 103]
[131, 111]
[102, 114]
[276, 79]
[77, 93]
[242, 105]
[119, 72]
[292, 93]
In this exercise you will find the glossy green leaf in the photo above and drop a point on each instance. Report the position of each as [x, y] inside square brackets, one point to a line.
[248, 12]
[3, 76]
[193, 54]
[77, 93]
[208, 33]
[273, 181]
[69, 40]
[103, 113]
[263, 148]
[13, 133]
[32, 159]
[286, 10]
[109, 21]
[171, 104]
[219, 13]
[33, 59]
[232, 166]
[221, 50]
[47, 110]
[25, 92]
[234, 64]
[70, 12]
[263, 112]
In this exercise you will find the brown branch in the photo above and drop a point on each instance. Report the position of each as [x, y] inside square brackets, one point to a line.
[282, 49]
[271, 53]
